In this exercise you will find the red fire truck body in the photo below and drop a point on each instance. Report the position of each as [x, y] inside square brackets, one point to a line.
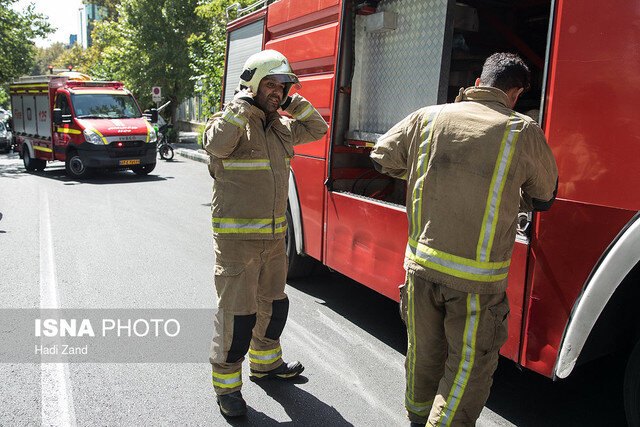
[574, 276]
[99, 125]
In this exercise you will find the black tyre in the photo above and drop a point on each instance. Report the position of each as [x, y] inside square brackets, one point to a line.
[632, 388]
[299, 265]
[166, 152]
[143, 169]
[29, 163]
[75, 167]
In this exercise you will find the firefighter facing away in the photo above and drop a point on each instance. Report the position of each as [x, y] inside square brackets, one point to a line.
[469, 166]
[250, 147]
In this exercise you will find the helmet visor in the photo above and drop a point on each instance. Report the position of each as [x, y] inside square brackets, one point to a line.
[290, 79]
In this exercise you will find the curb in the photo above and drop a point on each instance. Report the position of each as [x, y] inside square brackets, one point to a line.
[193, 155]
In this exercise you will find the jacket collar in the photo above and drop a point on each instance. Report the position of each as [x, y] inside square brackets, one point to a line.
[483, 94]
[265, 118]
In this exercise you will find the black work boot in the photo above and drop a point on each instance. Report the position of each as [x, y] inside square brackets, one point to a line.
[283, 372]
[232, 404]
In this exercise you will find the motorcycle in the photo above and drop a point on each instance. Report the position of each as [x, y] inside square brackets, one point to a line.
[164, 148]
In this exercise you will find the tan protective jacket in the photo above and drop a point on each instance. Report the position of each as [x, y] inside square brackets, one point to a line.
[466, 164]
[250, 156]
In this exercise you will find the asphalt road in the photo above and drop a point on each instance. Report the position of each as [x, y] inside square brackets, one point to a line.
[118, 241]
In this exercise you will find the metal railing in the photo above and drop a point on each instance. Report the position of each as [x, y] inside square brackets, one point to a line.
[240, 12]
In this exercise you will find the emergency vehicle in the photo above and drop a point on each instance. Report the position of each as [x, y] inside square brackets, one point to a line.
[86, 124]
[574, 279]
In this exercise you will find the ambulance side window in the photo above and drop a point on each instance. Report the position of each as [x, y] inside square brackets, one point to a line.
[62, 102]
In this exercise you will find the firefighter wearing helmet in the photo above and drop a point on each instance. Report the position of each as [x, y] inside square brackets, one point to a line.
[250, 147]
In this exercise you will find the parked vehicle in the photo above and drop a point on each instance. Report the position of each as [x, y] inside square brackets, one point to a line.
[574, 277]
[164, 148]
[5, 137]
[87, 124]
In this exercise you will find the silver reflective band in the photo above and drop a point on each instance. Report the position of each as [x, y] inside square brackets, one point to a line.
[265, 356]
[230, 117]
[498, 185]
[305, 113]
[414, 408]
[232, 380]
[457, 266]
[254, 226]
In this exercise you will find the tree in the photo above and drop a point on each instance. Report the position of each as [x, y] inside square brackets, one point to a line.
[46, 56]
[207, 50]
[146, 47]
[17, 31]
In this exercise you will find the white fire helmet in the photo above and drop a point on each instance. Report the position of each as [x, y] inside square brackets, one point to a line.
[268, 63]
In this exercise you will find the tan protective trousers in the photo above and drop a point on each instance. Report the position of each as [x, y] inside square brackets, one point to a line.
[454, 339]
[250, 277]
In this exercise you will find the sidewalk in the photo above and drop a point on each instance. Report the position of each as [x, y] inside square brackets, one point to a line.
[187, 146]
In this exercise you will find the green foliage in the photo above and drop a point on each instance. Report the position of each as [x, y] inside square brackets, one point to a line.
[111, 7]
[207, 50]
[146, 47]
[4, 97]
[200, 134]
[46, 56]
[17, 31]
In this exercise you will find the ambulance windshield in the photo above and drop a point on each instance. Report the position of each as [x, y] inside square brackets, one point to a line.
[105, 106]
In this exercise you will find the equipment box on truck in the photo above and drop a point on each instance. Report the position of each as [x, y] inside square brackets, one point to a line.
[87, 124]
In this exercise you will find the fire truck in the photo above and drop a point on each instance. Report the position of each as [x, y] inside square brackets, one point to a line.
[574, 278]
[86, 124]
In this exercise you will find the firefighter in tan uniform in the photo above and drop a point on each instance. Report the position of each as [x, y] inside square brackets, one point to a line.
[469, 167]
[250, 147]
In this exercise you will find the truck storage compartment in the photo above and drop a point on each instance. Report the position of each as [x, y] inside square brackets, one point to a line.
[401, 55]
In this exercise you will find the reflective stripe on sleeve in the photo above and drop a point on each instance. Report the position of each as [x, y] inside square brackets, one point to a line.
[234, 119]
[246, 164]
[288, 161]
[305, 113]
[248, 225]
[266, 357]
[227, 380]
[500, 172]
[453, 265]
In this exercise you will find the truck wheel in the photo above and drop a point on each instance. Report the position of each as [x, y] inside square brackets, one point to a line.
[29, 163]
[632, 388]
[299, 265]
[143, 169]
[74, 166]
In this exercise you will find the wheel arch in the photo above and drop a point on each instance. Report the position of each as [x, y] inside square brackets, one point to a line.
[615, 265]
[27, 143]
[296, 214]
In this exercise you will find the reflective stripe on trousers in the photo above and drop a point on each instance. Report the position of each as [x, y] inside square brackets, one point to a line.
[418, 408]
[266, 357]
[466, 361]
[227, 380]
[248, 225]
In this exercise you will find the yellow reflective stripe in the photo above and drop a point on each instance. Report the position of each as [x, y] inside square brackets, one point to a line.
[234, 119]
[265, 357]
[453, 265]
[411, 346]
[305, 113]
[246, 164]
[227, 380]
[498, 180]
[418, 408]
[45, 149]
[421, 171]
[466, 361]
[67, 130]
[265, 352]
[91, 128]
[149, 128]
[248, 225]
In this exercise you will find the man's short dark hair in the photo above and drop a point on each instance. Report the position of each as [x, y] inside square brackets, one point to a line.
[505, 71]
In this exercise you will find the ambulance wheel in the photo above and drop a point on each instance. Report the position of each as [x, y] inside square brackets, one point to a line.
[299, 265]
[74, 166]
[632, 388]
[143, 169]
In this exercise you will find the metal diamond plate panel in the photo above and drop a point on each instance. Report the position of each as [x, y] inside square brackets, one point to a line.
[396, 72]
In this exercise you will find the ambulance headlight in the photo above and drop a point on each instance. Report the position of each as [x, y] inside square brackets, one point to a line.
[92, 137]
[153, 136]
